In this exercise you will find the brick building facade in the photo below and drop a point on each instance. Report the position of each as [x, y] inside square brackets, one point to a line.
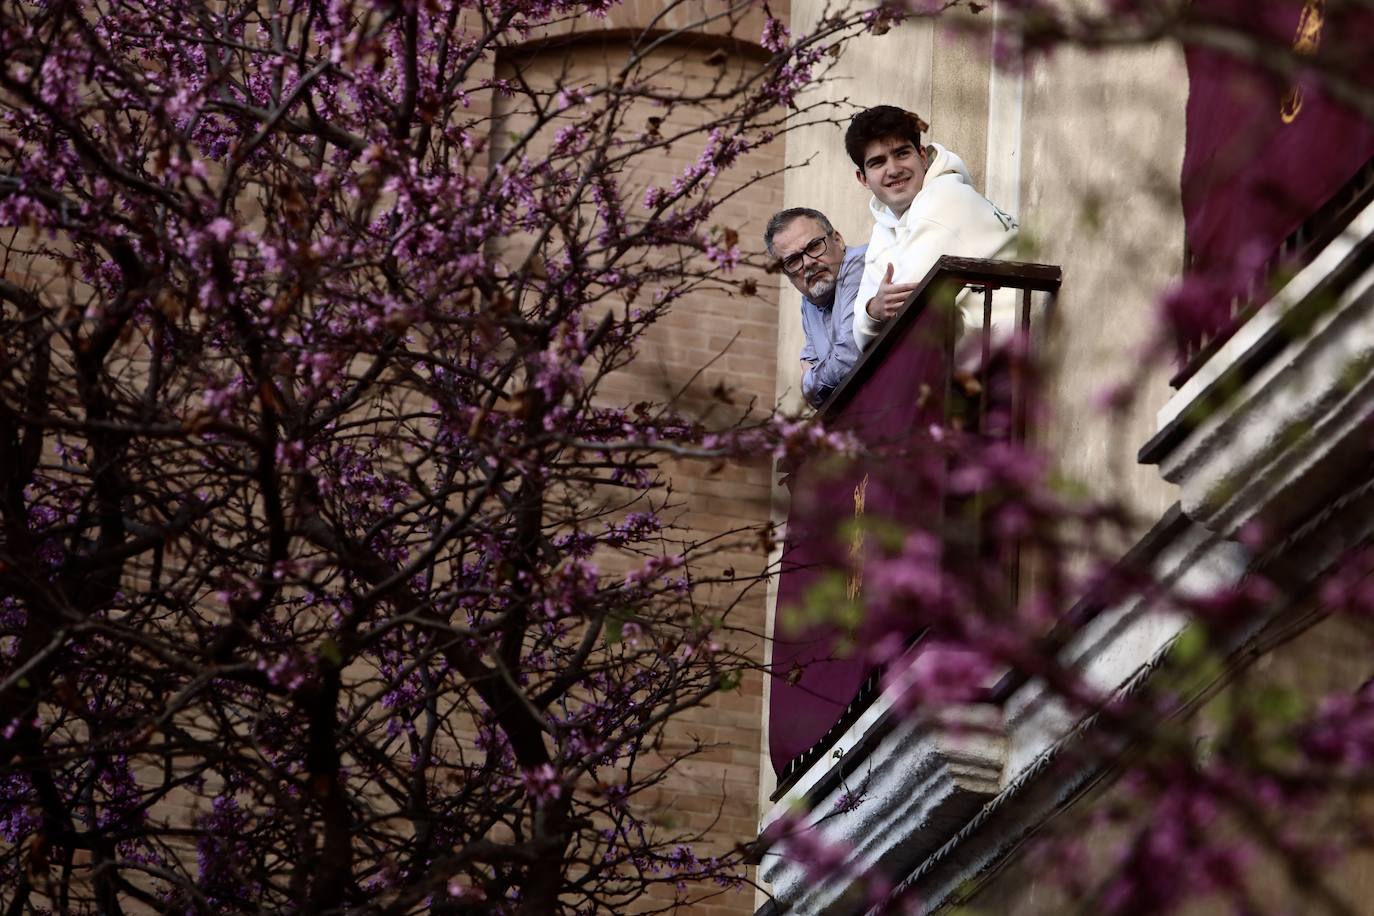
[711, 341]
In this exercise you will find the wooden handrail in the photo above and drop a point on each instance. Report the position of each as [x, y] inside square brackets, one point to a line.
[1045, 278]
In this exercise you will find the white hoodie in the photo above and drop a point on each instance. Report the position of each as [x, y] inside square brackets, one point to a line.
[947, 217]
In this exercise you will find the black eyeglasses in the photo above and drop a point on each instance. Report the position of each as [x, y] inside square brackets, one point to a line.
[792, 264]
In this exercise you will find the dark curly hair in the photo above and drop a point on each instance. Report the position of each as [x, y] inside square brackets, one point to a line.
[879, 123]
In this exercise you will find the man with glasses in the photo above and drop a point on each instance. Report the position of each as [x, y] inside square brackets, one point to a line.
[827, 273]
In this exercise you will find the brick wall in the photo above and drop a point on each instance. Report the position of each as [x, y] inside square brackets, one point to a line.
[717, 790]
[735, 338]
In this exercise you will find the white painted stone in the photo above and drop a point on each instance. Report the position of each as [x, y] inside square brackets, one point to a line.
[1113, 646]
[1254, 455]
[920, 783]
[1247, 336]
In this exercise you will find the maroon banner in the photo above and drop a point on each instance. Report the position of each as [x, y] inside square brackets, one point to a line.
[819, 661]
[1264, 150]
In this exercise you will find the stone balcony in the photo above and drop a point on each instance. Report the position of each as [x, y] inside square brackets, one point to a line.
[1272, 430]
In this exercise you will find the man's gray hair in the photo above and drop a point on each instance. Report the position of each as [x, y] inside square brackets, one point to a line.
[782, 218]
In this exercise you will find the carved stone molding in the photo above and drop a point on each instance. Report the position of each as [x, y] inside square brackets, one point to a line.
[1273, 444]
[918, 785]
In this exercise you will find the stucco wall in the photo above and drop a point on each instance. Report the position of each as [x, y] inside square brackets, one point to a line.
[1086, 154]
[1102, 148]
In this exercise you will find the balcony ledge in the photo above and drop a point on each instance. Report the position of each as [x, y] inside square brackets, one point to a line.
[1275, 418]
[922, 786]
[920, 782]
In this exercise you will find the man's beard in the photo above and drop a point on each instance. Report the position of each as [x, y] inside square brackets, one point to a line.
[823, 287]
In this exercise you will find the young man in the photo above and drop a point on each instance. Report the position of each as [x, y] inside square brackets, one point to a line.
[924, 206]
[826, 272]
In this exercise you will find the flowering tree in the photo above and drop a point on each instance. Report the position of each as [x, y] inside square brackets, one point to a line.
[330, 580]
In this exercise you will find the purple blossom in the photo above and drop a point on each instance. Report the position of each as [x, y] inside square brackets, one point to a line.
[775, 35]
[542, 783]
[1341, 734]
[727, 259]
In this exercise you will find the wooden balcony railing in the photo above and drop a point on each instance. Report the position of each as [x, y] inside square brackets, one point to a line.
[1294, 323]
[1297, 251]
[947, 280]
[919, 371]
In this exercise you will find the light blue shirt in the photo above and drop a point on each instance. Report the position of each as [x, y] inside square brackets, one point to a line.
[829, 329]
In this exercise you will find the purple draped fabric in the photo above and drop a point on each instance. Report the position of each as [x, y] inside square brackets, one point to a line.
[1265, 151]
[816, 670]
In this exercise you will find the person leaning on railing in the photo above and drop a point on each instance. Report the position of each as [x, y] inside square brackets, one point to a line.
[813, 255]
[924, 205]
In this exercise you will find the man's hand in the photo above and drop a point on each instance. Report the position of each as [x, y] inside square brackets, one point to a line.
[889, 298]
